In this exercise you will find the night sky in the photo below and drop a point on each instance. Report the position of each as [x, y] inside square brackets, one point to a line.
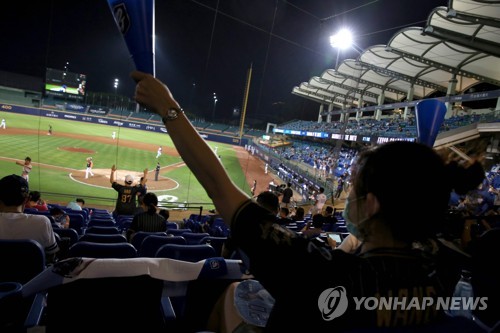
[285, 42]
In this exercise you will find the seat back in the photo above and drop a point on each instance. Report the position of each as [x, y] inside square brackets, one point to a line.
[102, 230]
[124, 223]
[69, 233]
[103, 238]
[65, 238]
[191, 253]
[117, 304]
[77, 222]
[193, 238]
[216, 242]
[152, 243]
[20, 261]
[178, 232]
[102, 250]
[172, 225]
[140, 235]
[102, 222]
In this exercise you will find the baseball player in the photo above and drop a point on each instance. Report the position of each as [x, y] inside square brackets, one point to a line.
[26, 168]
[88, 171]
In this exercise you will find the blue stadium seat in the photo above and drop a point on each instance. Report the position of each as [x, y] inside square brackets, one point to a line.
[113, 304]
[103, 238]
[152, 243]
[178, 232]
[192, 253]
[102, 250]
[102, 230]
[216, 242]
[193, 238]
[21, 260]
[140, 235]
[77, 222]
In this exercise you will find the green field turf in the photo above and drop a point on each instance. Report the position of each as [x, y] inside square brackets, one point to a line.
[56, 185]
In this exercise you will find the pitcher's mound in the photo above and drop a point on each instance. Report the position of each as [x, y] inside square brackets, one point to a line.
[101, 178]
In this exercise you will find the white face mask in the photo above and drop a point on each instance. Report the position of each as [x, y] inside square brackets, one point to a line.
[352, 226]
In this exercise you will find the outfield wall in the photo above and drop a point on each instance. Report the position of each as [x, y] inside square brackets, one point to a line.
[96, 119]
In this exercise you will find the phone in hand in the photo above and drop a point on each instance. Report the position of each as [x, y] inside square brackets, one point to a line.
[336, 237]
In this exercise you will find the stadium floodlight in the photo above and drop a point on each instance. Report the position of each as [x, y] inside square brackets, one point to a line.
[215, 103]
[341, 40]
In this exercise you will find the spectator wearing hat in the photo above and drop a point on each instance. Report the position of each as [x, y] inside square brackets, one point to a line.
[126, 202]
[14, 224]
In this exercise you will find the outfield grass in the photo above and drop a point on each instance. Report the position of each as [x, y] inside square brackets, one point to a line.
[56, 184]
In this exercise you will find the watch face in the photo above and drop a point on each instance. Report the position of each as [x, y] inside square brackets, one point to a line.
[172, 113]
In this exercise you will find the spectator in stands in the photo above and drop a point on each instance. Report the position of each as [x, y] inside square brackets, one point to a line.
[76, 205]
[126, 201]
[329, 219]
[319, 201]
[313, 228]
[340, 187]
[266, 199]
[143, 189]
[149, 220]
[283, 218]
[376, 212]
[14, 194]
[60, 217]
[299, 214]
[36, 201]
[287, 195]
[165, 213]
[269, 201]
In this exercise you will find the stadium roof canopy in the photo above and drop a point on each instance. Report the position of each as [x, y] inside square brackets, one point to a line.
[460, 42]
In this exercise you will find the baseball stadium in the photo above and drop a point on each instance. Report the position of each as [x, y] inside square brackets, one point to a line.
[374, 185]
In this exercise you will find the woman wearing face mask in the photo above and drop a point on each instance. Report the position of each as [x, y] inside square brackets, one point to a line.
[344, 292]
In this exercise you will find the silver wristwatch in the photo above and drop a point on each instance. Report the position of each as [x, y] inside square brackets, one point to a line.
[172, 114]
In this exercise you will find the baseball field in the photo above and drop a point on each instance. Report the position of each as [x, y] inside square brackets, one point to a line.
[59, 161]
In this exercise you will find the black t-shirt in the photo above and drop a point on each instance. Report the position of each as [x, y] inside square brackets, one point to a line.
[126, 202]
[278, 256]
[287, 194]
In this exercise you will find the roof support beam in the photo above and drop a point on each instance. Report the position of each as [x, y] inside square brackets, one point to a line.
[372, 84]
[346, 87]
[441, 66]
[466, 41]
[401, 76]
[488, 21]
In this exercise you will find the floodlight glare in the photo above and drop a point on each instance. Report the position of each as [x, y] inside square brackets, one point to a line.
[341, 40]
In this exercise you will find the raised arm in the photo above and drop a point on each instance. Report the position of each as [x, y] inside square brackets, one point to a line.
[156, 96]
[112, 175]
[144, 177]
